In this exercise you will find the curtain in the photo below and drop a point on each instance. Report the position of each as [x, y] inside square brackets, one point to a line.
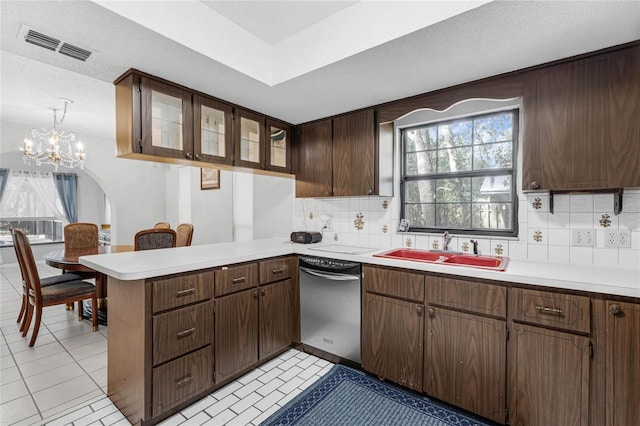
[67, 185]
[4, 176]
[30, 195]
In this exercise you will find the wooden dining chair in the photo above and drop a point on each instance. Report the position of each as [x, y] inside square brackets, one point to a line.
[150, 239]
[162, 225]
[184, 234]
[44, 282]
[40, 297]
[81, 235]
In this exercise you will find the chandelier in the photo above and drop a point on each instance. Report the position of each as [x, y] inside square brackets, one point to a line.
[52, 146]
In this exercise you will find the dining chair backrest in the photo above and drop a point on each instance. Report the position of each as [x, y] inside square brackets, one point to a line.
[150, 239]
[184, 233]
[19, 257]
[25, 255]
[162, 225]
[81, 235]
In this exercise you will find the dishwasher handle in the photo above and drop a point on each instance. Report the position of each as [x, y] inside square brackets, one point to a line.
[330, 275]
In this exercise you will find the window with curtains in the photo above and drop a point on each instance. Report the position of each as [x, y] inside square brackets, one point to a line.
[40, 203]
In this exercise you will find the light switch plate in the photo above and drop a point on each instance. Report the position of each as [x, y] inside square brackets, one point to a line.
[583, 237]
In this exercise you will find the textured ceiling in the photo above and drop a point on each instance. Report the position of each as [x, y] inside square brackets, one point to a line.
[494, 38]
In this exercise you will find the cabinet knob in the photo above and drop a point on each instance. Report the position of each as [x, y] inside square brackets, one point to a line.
[254, 294]
[188, 156]
[262, 293]
[534, 184]
[432, 312]
[615, 309]
[369, 191]
[419, 310]
[198, 157]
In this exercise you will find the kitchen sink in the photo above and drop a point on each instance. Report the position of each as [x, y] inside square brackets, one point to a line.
[496, 263]
[411, 254]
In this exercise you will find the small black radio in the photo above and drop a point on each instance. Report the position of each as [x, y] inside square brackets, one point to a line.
[306, 237]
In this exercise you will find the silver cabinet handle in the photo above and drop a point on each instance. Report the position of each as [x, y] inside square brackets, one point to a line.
[277, 271]
[238, 280]
[186, 332]
[186, 292]
[550, 311]
[183, 381]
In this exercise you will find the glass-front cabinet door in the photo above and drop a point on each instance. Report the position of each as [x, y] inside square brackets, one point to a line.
[278, 147]
[249, 139]
[167, 120]
[212, 130]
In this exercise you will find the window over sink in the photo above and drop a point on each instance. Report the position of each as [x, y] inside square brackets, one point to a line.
[459, 174]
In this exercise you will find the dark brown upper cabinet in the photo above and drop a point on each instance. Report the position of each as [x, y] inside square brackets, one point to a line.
[342, 157]
[213, 127]
[278, 146]
[249, 139]
[581, 124]
[167, 120]
[353, 154]
[157, 120]
[313, 160]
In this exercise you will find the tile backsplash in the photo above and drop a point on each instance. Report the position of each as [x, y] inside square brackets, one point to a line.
[374, 221]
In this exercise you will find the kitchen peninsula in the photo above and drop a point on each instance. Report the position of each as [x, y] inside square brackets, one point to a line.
[169, 310]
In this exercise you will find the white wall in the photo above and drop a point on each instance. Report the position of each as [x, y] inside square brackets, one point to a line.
[272, 206]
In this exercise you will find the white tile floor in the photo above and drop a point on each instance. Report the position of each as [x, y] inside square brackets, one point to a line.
[62, 380]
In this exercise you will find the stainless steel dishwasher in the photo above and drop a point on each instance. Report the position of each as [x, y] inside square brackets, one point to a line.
[330, 305]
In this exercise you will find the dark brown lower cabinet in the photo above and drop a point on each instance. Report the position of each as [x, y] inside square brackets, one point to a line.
[276, 312]
[623, 364]
[465, 363]
[181, 379]
[236, 331]
[392, 335]
[549, 377]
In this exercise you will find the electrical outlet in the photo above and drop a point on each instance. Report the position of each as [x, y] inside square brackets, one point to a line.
[624, 238]
[611, 238]
[617, 238]
[583, 238]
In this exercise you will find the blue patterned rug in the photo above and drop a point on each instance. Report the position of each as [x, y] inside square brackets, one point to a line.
[352, 398]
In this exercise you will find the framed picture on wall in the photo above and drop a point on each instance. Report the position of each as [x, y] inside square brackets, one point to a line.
[209, 179]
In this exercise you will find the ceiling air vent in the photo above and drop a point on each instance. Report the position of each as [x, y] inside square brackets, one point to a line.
[41, 40]
[74, 51]
[51, 43]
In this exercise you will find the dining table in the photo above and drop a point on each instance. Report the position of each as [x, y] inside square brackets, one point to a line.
[68, 260]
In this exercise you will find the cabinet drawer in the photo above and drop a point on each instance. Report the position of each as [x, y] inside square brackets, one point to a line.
[182, 290]
[400, 284]
[275, 270]
[566, 311]
[179, 380]
[469, 296]
[178, 332]
[236, 278]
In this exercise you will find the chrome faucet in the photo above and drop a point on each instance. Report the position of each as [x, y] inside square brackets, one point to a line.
[446, 239]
